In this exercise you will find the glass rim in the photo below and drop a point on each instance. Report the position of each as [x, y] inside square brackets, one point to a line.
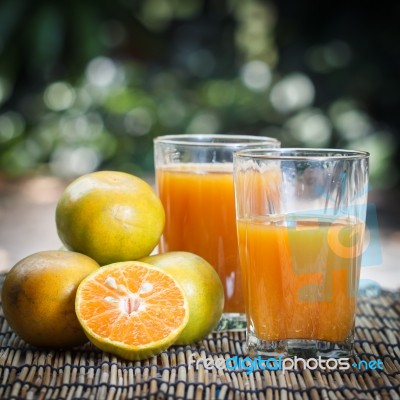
[229, 140]
[303, 154]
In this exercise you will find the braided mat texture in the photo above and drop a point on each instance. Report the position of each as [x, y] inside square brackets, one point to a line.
[87, 373]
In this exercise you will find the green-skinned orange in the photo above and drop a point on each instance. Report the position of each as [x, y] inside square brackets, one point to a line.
[110, 216]
[203, 289]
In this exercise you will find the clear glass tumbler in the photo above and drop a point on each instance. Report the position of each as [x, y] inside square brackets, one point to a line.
[195, 183]
[300, 219]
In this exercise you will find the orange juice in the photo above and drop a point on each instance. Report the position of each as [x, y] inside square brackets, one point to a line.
[301, 276]
[200, 218]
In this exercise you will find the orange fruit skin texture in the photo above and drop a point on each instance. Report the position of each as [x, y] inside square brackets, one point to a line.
[161, 312]
[38, 298]
[203, 289]
[110, 216]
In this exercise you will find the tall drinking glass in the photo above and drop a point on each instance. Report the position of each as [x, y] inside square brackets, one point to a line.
[300, 218]
[195, 184]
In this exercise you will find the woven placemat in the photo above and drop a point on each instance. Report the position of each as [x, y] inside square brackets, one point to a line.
[87, 373]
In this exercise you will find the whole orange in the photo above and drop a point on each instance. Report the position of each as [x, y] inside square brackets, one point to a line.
[39, 297]
[110, 216]
[203, 289]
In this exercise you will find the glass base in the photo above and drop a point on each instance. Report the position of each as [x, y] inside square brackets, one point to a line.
[299, 348]
[231, 322]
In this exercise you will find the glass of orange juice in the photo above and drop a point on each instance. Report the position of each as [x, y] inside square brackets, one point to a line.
[195, 184]
[300, 220]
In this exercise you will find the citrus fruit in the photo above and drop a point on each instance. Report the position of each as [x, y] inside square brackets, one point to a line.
[203, 289]
[110, 216]
[131, 309]
[39, 297]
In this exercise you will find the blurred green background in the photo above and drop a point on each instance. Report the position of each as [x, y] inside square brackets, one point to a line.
[87, 85]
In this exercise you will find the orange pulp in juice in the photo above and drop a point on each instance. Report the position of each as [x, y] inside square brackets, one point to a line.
[200, 218]
[301, 276]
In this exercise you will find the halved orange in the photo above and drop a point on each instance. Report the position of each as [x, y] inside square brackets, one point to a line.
[131, 309]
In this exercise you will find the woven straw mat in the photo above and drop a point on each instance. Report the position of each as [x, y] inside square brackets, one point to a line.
[87, 373]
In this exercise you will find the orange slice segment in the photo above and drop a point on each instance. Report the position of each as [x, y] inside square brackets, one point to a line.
[131, 309]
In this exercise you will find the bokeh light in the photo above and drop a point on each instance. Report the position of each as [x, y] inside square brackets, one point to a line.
[256, 75]
[293, 92]
[204, 122]
[59, 96]
[381, 147]
[72, 162]
[139, 121]
[11, 126]
[353, 124]
[171, 111]
[101, 72]
[310, 127]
